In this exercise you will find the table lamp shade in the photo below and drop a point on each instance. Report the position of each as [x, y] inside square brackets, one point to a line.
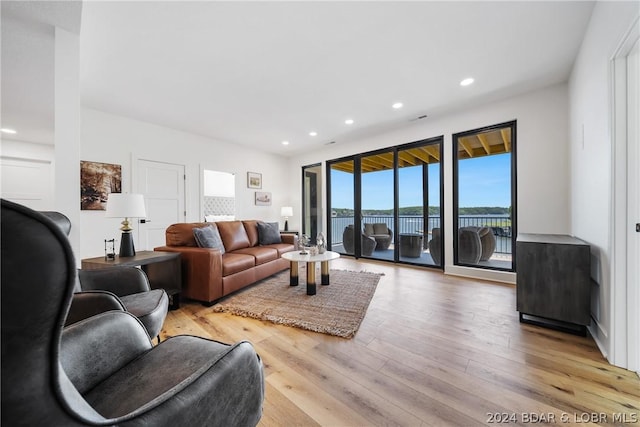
[286, 212]
[125, 205]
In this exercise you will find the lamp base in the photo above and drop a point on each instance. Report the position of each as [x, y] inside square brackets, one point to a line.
[286, 225]
[126, 245]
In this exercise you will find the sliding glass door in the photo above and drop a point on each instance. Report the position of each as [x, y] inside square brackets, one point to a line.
[386, 204]
[377, 196]
[341, 193]
[420, 204]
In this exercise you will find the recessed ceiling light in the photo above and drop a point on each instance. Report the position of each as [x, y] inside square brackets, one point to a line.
[313, 133]
[285, 142]
[466, 82]
[397, 105]
[348, 121]
[7, 130]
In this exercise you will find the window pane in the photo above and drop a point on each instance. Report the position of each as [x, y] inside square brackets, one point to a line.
[419, 204]
[342, 197]
[484, 198]
[377, 183]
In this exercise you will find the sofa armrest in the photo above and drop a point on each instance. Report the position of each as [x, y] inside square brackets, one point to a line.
[201, 272]
[289, 238]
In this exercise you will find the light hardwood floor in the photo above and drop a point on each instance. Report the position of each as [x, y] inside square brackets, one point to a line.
[432, 350]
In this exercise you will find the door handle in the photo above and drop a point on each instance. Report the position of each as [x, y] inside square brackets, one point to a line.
[144, 221]
[638, 227]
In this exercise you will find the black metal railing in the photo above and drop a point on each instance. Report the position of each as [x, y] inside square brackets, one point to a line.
[500, 225]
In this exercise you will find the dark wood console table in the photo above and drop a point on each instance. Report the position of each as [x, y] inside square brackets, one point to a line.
[553, 285]
[162, 268]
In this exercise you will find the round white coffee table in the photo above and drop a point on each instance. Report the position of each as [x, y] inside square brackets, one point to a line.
[296, 257]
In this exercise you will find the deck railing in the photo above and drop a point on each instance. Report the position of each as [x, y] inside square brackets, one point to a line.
[500, 225]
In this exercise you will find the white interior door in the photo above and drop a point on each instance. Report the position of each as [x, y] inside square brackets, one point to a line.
[162, 185]
[28, 182]
[633, 207]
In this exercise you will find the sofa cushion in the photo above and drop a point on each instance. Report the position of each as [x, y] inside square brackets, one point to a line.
[262, 254]
[181, 234]
[282, 247]
[208, 237]
[268, 233]
[233, 262]
[233, 235]
[251, 227]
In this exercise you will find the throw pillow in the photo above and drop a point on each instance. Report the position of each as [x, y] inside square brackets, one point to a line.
[268, 233]
[208, 237]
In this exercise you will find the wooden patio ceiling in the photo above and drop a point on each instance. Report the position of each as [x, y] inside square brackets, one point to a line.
[496, 141]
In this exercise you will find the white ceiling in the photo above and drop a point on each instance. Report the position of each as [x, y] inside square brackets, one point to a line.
[258, 73]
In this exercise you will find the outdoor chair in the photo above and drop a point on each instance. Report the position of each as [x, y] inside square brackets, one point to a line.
[382, 234]
[348, 239]
[103, 370]
[475, 244]
[469, 246]
[487, 241]
[435, 245]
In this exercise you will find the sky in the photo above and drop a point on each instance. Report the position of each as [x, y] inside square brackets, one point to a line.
[484, 181]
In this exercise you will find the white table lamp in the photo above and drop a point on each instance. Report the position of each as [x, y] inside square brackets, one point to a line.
[286, 212]
[125, 205]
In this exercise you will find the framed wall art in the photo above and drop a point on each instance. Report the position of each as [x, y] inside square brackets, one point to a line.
[97, 180]
[254, 180]
[263, 198]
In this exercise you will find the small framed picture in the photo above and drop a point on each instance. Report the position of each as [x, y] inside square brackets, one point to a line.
[263, 198]
[254, 180]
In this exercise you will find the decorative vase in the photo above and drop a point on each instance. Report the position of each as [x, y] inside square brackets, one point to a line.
[322, 243]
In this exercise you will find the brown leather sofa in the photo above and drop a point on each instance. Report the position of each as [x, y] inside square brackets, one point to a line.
[208, 275]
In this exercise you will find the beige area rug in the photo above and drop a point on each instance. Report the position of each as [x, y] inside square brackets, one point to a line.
[337, 309]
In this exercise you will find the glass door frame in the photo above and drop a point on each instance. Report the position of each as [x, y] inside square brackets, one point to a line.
[357, 202]
[305, 196]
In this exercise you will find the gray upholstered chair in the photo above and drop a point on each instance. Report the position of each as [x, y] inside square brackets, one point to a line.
[103, 370]
[114, 288]
[382, 234]
[348, 241]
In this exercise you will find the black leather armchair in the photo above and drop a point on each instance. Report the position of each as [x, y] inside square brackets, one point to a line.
[132, 288]
[115, 288]
[103, 370]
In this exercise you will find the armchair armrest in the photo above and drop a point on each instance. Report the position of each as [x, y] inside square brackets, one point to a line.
[91, 303]
[95, 348]
[120, 281]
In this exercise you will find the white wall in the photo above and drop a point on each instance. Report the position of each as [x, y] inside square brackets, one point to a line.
[67, 131]
[109, 138]
[591, 149]
[542, 155]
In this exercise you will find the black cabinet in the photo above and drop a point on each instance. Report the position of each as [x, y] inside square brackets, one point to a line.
[553, 282]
